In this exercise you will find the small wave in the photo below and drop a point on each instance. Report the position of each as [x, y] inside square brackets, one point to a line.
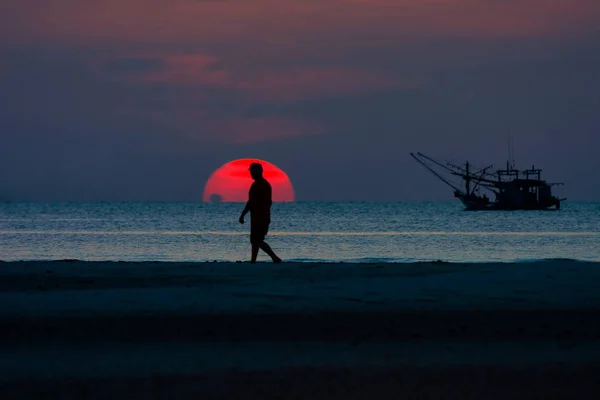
[557, 259]
[372, 261]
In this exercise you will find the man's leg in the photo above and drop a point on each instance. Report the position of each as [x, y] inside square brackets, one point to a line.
[256, 239]
[258, 232]
[255, 247]
[267, 249]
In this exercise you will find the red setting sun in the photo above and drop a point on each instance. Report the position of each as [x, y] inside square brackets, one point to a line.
[231, 182]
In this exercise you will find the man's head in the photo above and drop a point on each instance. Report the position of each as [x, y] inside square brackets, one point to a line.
[256, 170]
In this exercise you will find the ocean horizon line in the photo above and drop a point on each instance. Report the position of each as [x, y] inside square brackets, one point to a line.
[242, 202]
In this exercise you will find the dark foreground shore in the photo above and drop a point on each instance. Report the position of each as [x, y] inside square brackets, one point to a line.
[299, 331]
[406, 382]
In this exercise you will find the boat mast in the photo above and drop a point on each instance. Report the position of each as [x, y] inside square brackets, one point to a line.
[467, 178]
[511, 152]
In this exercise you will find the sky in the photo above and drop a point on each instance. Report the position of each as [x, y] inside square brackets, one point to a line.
[144, 99]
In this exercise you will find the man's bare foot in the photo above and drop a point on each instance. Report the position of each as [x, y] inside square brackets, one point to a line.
[276, 260]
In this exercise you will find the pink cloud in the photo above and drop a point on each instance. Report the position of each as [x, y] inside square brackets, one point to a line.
[190, 75]
[479, 18]
[187, 69]
[290, 84]
[297, 83]
[269, 39]
[272, 21]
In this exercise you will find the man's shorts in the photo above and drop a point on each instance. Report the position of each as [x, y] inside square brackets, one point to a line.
[258, 231]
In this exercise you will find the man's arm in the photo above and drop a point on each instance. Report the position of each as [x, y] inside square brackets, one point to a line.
[248, 204]
[246, 209]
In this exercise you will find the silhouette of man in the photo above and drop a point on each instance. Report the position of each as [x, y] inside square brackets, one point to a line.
[259, 206]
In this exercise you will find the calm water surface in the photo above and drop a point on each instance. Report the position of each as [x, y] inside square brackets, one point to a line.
[303, 231]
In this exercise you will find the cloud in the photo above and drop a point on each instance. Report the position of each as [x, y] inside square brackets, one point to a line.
[272, 21]
[207, 102]
[271, 84]
[185, 69]
[305, 83]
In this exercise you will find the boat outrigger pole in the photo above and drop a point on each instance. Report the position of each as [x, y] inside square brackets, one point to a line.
[432, 160]
[432, 171]
[463, 173]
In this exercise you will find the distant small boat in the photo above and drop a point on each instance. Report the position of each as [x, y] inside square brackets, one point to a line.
[513, 189]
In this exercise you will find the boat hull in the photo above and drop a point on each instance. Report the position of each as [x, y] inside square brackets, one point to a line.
[476, 203]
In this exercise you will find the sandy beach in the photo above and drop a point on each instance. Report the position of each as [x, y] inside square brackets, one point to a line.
[73, 329]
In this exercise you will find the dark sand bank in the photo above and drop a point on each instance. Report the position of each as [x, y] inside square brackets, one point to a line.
[158, 330]
[431, 382]
[564, 324]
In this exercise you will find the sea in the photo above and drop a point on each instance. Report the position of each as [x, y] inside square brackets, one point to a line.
[300, 231]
